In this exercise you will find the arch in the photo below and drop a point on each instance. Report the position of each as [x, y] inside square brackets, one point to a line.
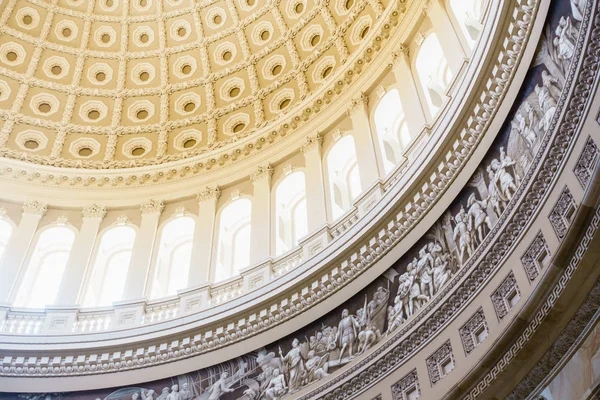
[174, 252]
[6, 230]
[343, 175]
[433, 72]
[46, 265]
[392, 130]
[233, 246]
[291, 220]
[468, 14]
[111, 264]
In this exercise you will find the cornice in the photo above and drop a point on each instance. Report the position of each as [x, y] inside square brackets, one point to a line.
[397, 230]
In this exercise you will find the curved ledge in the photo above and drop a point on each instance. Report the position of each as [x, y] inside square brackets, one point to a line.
[464, 179]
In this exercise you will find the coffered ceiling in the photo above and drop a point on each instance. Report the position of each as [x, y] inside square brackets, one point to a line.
[119, 83]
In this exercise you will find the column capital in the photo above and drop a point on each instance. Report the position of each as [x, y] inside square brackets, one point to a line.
[360, 102]
[35, 208]
[152, 207]
[209, 193]
[399, 55]
[263, 171]
[94, 211]
[312, 141]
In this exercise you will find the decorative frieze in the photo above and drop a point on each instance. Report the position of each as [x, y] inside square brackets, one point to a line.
[407, 388]
[506, 296]
[562, 213]
[153, 206]
[440, 363]
[35, 208]
[94, 211]
[474, 331]
[586, 163]
[536, 257]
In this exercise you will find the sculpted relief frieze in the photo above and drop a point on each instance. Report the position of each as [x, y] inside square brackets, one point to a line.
[398, 299]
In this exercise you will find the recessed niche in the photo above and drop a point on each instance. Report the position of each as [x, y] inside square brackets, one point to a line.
[239, 127]
[138, 151]
[85, 152]
[31, 144]
[188, 144]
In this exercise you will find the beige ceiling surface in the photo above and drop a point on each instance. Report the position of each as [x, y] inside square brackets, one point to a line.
[117, 83]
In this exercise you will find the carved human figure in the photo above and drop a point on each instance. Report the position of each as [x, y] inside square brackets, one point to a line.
[164, 394]
[219, 388]
[277, 386]
[316, 366]
[425, 267]
[546, 101]
[504, 180]
[148, 394]
[462, 236]
[347, 333]
[185, 393]
[578, 9]
[414, 297]
[493, 196]
[530, 132]
[441, 274]
[395, 314]
[478, 218]
[564, 40]
[367, 338]
[174, 395]
[405, 283]
[293, 365]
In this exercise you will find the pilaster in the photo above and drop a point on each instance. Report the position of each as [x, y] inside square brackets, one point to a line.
[17, 248]
[81, 254]
[316, 204]
[143, 246]
[260, 238]
[363, 141]
[204, 236]
[414, 111]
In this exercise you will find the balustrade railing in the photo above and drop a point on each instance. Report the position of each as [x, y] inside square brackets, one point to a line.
[188, 301]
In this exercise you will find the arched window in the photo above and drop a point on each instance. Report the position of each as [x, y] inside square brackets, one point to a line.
[433, 71]
[46, 267]
[172, 263]
[468, 13]
[111, 264]
[392, 130]
[6, 230]
[344, 179]
[290, 212]
[233, 251]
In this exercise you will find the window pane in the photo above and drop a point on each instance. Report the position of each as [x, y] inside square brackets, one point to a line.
[110, 266]
[234, 238]
[389, 121]
[290, 207]
[341, 159]
[6, 230]
[46, 267]
[433, 71]
[172, 262]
